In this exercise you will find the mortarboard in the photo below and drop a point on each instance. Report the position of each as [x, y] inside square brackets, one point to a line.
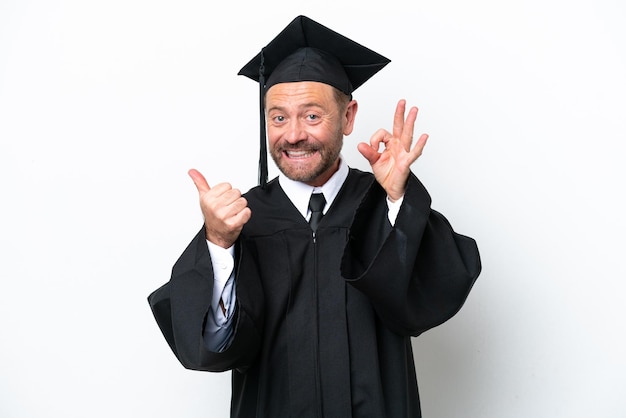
[308, 51]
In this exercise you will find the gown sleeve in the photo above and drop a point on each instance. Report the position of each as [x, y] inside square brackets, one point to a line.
[180, 309]
[416, 274]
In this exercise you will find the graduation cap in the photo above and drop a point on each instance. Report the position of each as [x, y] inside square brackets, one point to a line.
[308, 51]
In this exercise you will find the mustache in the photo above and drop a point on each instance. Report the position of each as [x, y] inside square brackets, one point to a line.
[298, 146]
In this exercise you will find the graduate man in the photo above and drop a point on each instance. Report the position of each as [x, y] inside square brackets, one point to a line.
[312, 306]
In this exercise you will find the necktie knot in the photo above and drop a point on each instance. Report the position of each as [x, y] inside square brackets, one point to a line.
[316, 204]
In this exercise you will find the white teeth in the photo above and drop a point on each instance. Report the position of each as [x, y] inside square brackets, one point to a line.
[298, 154]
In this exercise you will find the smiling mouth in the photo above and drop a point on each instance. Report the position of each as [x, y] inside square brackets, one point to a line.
[298, 155]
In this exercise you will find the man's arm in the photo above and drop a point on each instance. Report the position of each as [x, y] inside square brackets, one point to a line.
[218, 331]
[418, 273]
[182, 305]
[196, 309]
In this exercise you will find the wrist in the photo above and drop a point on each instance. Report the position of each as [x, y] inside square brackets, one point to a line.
[219, 240]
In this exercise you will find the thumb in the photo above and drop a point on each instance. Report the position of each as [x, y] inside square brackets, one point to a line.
[199, 180]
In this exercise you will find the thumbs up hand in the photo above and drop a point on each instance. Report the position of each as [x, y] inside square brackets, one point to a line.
[224, 209]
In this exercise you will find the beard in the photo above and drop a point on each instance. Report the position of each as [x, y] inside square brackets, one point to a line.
[306, 173]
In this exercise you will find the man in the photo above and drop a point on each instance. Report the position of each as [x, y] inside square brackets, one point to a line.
[315, 319]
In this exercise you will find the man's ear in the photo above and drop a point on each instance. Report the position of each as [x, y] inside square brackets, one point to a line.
[350, 116]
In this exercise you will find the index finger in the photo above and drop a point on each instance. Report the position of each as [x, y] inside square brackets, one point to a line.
[199, 180]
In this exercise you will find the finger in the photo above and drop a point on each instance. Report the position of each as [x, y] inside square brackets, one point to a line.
[231, 197]
[398, 118]
[221, 188]
[242, 217]
[220, 200]
[228, 211]
[371, 154]
[379, 136]
[418, 148]
[199, 181]
[409, 126]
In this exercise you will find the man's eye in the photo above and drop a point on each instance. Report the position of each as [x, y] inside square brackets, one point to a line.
[279, 118]
[312, 117]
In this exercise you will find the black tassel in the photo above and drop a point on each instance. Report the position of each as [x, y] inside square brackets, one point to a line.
[263, 147]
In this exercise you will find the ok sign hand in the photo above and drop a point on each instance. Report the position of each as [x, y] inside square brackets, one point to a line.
[392, 166]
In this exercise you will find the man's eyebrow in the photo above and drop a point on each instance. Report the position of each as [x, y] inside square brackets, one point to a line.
[302, 106]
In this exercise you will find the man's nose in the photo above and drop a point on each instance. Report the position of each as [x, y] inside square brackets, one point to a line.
[295, 132]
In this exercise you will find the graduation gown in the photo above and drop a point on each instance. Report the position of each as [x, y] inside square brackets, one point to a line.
[324, 321]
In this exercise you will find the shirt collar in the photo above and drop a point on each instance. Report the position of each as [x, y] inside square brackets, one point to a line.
[300, 193]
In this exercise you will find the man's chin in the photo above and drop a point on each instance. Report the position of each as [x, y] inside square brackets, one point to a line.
[299, 169]
[299, 175]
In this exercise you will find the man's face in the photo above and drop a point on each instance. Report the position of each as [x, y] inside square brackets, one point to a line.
[305, 127]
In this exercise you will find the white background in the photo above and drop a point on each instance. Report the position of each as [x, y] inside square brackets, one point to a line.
[105, 105]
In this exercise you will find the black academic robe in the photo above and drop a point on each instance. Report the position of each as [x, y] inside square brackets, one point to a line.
[323, 323]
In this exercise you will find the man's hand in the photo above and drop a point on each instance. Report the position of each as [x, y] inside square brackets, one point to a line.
[225, 210]
[392, 166]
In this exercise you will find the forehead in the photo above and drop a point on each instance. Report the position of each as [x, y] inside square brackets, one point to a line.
[300, 92]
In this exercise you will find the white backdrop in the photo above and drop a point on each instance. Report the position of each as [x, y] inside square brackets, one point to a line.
[105, 105]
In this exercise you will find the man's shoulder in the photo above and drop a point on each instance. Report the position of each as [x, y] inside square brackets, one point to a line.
[259, 192]
[358, 176]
